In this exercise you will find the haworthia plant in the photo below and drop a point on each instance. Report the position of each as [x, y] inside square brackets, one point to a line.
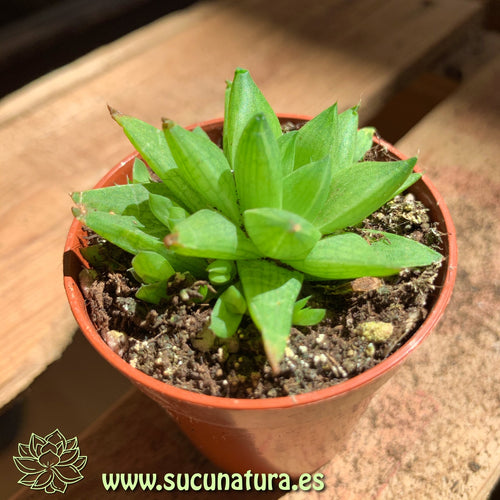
[256, 218]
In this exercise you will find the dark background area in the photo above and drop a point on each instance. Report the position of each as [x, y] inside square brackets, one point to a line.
[37, 36]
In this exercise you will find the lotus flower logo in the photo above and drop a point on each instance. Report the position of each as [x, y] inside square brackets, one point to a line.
[50, 463]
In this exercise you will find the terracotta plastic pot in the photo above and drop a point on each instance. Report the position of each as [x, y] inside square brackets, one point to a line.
[293, 434]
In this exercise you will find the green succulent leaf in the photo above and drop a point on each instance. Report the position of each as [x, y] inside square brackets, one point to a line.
[280, 234]
[243, 101]
[209, 234]
[128, 233]
[314, 139]
[205, 168]
[126, 199]
[102, 257]
[221, 271]
[349, 256]
[199, 131]
[119, 199]
[412, 178]
[234, 299]
[301, 303]
[152, 267]
[306, 316]
[153, 292]
[328, 134]
[148, 140]
[140, 173]
[343, 153]
[286, 143]
[124, 231]
[122, 215]
[257, 166]
[166, 211]
[306, 189]
[270, 292]
[225, 134]
[205, 294]
[364, 141]
[358, 191]
[152, 146]
[228, 312]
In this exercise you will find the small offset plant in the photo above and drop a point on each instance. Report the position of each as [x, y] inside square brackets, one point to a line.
[257, 217]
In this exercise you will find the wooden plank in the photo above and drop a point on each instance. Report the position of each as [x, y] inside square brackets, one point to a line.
[464, 164]
[329, 46]
[434, 430]
[64, 31]
[409, 105]
[63, 79]
[405, 108]
[60, 139]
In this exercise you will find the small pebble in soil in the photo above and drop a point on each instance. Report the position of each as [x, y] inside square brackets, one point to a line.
[376, 331]
[117, 341]
[370, 350]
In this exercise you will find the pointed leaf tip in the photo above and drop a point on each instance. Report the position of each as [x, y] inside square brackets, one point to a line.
[243, 100]
[113, 112]
[171, 239]
[77, 213]
[167, 123]
[270, 292]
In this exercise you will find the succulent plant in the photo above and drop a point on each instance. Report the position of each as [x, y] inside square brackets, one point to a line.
[257, 217]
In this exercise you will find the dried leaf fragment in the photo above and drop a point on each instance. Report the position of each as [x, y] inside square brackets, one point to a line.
[366, 284]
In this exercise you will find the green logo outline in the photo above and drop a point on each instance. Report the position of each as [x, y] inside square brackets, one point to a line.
[50, 463]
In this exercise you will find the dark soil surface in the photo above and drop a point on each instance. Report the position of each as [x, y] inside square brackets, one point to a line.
[367, 320]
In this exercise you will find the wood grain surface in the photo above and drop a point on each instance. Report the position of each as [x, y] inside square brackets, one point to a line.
[432, 432]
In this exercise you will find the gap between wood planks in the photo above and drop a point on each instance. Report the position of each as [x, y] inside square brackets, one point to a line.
[424, 92]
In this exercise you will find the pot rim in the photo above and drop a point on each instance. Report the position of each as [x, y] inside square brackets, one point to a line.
[79, 311]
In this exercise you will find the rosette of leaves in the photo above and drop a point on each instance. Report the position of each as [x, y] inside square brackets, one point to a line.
[257, 217]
